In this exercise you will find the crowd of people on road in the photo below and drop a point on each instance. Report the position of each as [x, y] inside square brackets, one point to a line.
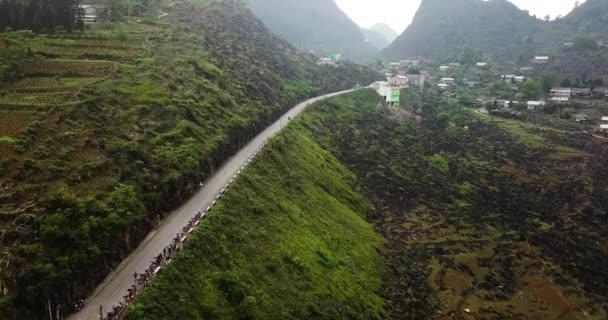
[140, 280]
[162, 259]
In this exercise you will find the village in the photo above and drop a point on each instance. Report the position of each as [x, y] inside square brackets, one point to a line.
[530, 91]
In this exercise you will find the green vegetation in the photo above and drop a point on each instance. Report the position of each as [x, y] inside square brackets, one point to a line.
[441, 163]
[289, 240]
[501, 233]
[115, 125]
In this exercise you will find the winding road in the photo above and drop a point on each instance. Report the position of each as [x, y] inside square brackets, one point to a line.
[115, 286]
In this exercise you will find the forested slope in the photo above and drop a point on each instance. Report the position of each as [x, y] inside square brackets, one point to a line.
[104, 130]
[478, 214]
[288, 241]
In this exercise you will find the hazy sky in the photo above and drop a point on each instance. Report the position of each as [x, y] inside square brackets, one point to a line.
[399, 13]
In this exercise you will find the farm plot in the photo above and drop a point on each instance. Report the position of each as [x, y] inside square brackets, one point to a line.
[52, 84]
[36, 100]
[83, 52]
[72, 67]
[12, 123]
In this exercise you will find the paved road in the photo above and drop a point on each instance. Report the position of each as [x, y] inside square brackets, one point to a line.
[115, 286]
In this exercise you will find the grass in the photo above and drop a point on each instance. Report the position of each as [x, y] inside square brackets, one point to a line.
[7, 139]
[288, 241]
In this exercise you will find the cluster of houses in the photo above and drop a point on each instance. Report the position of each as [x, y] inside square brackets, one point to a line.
[562, 95]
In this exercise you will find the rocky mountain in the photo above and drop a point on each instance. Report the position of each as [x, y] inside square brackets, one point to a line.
[497, 28]
[375, 38]
[385, 30]
[443, 27]
[317, 25]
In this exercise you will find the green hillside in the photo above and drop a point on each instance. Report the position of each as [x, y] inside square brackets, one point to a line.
[289, 241]
[317, 25]
[103, 130]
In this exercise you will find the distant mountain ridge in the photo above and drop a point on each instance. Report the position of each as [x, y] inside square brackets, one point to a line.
[385, 30]
[375, 38]
[319, 25]
[497, 28]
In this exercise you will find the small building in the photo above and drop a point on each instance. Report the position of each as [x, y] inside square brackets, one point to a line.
[471, 84]
[509, 104]
[600, 43]
[580, 117]
[508, 78]
[90, 13]
[519, 79]
[395, 65]
[481, 64]
[454, 65]
[388, 76]
[448, 80]
[581, 92]
[526, 70]
[561, 92]
[601, 91]
[442, 85]
[535, 105]
[391, 94]
[541, 59]
[605, 119]
[400, 81]
[560, 100]
[326, 62]
[604, 127]
[409, 63]
[568, 44]
[444, 68]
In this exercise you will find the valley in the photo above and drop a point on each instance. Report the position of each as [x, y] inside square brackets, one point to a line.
[261, 159]
[472, 219]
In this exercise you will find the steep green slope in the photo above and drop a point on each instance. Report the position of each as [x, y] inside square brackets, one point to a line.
[495, 216]
[289, 241]
[102, 131]
[317, 25]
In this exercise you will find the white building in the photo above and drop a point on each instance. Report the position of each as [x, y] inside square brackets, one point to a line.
[534, 105]
[481, 64]
[448, 80]
[400, 81]
[90, 12]
[326, 62]
[541, 59]
[444, 68]
[519, 79]
[561, 92]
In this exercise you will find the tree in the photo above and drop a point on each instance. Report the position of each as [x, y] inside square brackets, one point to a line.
[547, 17]
[532, 89]
[548, 80]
